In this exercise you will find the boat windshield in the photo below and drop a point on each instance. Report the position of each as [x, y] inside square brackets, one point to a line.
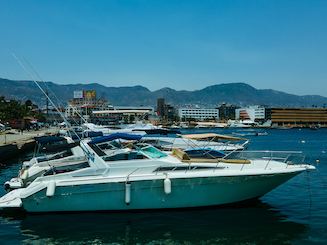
[125, 156]
[56, 156]
[65, 169]
[153, 152]
[110, 145]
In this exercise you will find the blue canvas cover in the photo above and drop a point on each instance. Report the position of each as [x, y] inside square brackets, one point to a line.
[92, 134]
[115, 136]
[48, 139]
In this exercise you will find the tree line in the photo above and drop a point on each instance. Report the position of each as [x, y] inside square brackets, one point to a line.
[13, 109]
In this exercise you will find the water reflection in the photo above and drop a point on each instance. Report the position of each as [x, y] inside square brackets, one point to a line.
[257, 223]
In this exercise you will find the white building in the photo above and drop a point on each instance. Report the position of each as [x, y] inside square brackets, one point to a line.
[83, 103]
[119, 113]
[253, 113]
[72, 111]
[198, 114]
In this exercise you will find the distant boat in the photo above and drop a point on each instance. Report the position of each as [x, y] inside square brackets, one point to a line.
[210, 125]
[254, 133]
[284, 127]
[314, 127]
[241, 124]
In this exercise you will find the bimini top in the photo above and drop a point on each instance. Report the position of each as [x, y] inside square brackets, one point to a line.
[212, 136]
[115, 136]
[162, 131]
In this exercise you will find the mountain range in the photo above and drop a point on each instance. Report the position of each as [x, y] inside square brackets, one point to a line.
[234, 93]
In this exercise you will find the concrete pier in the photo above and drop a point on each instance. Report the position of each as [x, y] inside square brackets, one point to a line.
[13, 142]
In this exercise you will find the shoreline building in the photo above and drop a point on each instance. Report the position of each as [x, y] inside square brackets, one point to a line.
[298, 117]
[83, 103]
[227, 111]
[200, 114]
[165, 112]
[116, 114]
[254, 113]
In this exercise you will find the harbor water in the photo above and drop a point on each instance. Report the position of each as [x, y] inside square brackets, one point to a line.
[294, 213]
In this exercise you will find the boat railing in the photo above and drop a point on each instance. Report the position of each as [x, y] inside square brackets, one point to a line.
[236, 157]
[289, 157]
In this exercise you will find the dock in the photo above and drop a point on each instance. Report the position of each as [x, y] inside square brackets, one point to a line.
[13, 142]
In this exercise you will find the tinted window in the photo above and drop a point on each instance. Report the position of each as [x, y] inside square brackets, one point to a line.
[125, 156]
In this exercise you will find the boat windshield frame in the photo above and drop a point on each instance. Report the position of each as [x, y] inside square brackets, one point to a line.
[152, 152]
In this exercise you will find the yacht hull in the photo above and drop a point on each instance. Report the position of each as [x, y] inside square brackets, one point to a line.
[150, 194]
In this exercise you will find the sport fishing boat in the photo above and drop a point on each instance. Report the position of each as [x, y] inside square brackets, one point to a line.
[52, 144]
[139, 176]
[37, 166]
[69, 159]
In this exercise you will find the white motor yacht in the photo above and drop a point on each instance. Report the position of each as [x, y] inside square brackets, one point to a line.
[241, 124]
[140, 176]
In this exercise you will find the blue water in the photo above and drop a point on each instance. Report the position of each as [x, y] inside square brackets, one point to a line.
[294, 213]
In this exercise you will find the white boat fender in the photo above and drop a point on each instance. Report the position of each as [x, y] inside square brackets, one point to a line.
[51, 189]
[167, 185]
[127, 193]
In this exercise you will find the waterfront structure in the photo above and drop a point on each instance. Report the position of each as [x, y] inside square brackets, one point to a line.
[52, 115]
[83, 103]
[227, 111]
[166, 112]
[198, 113]
[299, 117]
[86, 104]
[254, 113]
[119, 113]
[161, 107]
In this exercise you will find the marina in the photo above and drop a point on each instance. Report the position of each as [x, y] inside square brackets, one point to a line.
[293, 212]
[163, 122]
[122, 164]
[143, 168]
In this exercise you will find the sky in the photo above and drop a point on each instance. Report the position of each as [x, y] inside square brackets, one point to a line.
[185, 45]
